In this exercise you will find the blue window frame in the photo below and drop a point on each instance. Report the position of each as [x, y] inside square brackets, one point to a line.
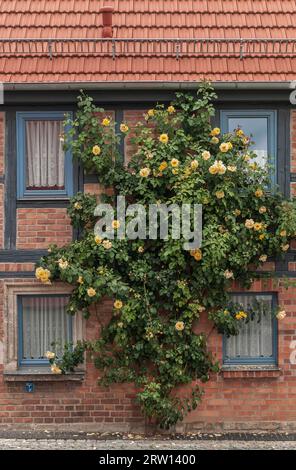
[257, 342]
[47, 172]
[42, 321]
[262, 126]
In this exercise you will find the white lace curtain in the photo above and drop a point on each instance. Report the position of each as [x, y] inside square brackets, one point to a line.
[45, 321]
[45, 156]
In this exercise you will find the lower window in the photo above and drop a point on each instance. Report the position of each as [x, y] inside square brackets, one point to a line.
[257, 341]
[43, 326]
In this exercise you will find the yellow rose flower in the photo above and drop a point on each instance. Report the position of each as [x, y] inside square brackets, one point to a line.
[77, 205]
[171, 109]
[249, 223]
[285, 247]
[118, 304]
[253, 166]
[179, 326]
[43, 275]
[213, 169]
[237, 212]
[206, 155]
[98, 240]
[283, 233]
[140, 249]
[261, 236]
[164, 138]
[246, 158]
[259, 193]
[124, 127]
[91, 292]
[281, 315]
[262, 209]
[231, 168]
[174, 162]
[228, 274]
[115, 224]
[225, 147]
[194, 164]
[257, 226]
[240, 133]
[246, 140]
[63, 264]
[215, 131]
[49, 355]
[96, 150]
[241, 315]
[151, 112]
[162, 166]
[263, 258]
[144, 172]
[55, 369]
[106, 122]
[219, 194]
[107, 244]
[80, 280]
[197, 254]
[175, 171]
[214, 140]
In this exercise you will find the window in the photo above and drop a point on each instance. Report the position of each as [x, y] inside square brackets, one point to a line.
[43, 168]
[42, 320]
[256, 342]
[261, 126]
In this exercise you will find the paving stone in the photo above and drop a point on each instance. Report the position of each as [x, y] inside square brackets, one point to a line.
[144, 444]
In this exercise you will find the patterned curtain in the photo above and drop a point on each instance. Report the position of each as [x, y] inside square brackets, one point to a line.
[45, 156]
[45, 321]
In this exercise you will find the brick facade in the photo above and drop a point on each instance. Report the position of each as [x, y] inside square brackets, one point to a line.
[244, 399]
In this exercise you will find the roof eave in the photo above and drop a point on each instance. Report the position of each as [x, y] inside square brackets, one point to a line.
[147, 85]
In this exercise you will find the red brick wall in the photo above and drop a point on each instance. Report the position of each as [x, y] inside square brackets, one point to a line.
[246, 400]
[37, 227]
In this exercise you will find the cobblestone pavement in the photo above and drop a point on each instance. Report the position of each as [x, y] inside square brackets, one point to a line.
[144, 444]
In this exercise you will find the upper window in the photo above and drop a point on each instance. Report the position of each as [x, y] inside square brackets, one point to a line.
[261, 126]
[44, 326]
[43, 169]
[257, 340]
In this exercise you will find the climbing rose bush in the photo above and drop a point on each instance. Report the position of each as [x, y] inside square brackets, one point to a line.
[159, 289]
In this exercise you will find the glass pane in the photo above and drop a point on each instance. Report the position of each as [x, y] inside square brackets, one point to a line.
[45, 158]
[45, 321]
[255, 340]
[257, 128]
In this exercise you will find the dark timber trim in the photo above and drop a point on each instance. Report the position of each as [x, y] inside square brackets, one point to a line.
[21, 256]
[17, 275]
[138, 98]
[10, 186]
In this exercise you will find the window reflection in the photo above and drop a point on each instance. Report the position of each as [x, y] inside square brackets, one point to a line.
[257, 129]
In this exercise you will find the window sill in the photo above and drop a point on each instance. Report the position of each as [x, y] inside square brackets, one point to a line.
[41, 374]
[250, 371]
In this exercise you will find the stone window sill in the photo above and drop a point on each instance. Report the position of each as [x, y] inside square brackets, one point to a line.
[41, 374]
[250, 371]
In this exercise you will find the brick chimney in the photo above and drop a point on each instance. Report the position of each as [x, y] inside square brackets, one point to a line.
[107, 21]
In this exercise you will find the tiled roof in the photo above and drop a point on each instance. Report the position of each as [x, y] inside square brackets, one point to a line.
[80, 20]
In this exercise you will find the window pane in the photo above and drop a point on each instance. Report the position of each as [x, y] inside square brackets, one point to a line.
[257, 128]
[44, 321]
[45, 158]
[255, 340]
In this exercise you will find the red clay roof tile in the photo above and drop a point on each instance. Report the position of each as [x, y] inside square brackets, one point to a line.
[146, 19]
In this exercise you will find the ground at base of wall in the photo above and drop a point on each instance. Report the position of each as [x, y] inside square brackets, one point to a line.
[53, 440]
[144, 444]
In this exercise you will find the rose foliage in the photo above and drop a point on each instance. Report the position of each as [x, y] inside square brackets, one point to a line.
[159, 289]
